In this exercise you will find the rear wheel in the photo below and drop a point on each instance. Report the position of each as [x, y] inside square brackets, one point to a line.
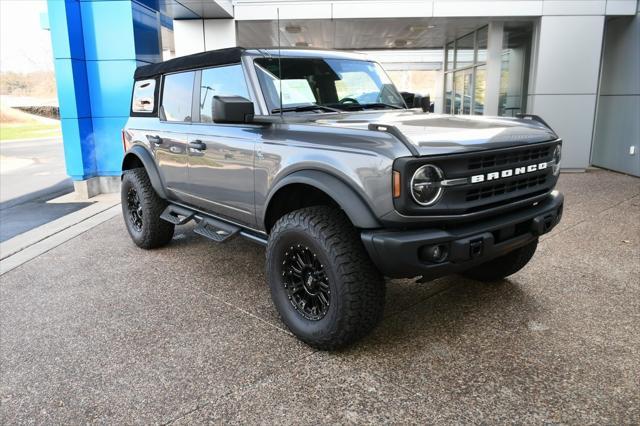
[322, 281]
[503, 266]
[141, 208]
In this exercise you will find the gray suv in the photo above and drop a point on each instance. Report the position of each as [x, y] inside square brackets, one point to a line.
[315, 155]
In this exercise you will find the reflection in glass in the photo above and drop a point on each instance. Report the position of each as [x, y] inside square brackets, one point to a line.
[480, 89]
[176, 96]
[513, 71]
[464, 51]
[450, 56]
[143, 95]
[482, 45]
[462, 89]
[221, 81]
[448, 93]
[337, 83]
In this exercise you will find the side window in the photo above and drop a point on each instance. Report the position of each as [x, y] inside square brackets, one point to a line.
[176, 96]
[143, 96]
[223, 81]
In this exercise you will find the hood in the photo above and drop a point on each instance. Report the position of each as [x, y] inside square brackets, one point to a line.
[433, 134]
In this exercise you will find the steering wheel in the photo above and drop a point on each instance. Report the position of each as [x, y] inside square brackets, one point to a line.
[348, 101]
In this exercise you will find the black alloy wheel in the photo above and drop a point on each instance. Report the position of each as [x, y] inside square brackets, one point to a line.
[134, 208]
[306, 282]
[142, 210]
[323, 283]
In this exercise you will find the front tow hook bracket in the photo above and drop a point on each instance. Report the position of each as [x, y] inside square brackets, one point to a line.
[543, 224]
[475, 248]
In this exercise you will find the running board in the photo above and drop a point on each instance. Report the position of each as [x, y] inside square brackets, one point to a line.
[209, 227]
[216, 230]
[177, 215]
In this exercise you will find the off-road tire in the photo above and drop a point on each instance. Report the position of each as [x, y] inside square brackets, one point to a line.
[154, 231]
[357, 288]
[503, 266]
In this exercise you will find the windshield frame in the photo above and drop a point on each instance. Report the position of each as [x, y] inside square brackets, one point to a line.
[273, 104]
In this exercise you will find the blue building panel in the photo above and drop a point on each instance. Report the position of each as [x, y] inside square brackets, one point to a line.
[79, 152]
[146, 30]
[97, 45]
[108, 30]
[108, 145]
[65, 24]
[72, 84]
[110, 84]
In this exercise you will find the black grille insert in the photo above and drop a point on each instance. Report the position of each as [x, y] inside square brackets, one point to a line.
[508, 158]
[488, 191]
[494, 193]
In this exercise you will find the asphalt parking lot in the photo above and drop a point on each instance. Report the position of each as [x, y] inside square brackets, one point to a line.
[97, 330]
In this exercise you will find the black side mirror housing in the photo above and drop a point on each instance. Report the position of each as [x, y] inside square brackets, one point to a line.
[408, 98]
[425, 103]
[232, 109]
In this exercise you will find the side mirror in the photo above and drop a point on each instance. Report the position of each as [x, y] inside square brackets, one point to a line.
[232, 109]
[408, 98]
[425, 104]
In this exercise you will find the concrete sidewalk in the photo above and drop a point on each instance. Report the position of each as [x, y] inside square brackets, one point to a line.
[97, 330]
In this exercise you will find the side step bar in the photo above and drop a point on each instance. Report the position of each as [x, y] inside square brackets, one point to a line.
[209, 227]
[177, 215]
[216, 230]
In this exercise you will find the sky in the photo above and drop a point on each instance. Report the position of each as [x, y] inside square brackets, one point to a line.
[24, 45]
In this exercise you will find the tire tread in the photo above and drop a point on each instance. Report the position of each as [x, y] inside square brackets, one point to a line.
[363, 288]
[155, 231]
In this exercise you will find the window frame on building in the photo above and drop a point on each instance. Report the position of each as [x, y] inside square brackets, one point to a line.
[450, 74]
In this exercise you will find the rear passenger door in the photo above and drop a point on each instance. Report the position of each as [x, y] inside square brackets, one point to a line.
[221, 156]
[169, 141]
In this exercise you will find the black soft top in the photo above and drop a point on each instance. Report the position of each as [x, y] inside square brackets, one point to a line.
[211, 58]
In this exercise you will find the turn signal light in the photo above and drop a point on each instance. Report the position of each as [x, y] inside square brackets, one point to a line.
[396, 184]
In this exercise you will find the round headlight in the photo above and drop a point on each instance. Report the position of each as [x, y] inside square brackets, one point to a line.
[425, 185]
[557, 156]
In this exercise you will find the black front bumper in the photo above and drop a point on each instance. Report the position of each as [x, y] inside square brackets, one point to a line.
[401, 254]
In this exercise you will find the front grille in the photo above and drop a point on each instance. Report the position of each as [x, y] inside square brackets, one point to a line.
[491, 193]
[507, 159]
[530, 183]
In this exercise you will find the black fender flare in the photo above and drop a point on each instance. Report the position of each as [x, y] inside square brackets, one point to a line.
[347, 198]
[149, 164]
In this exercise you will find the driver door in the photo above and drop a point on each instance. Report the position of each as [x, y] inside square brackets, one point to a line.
[221, 156]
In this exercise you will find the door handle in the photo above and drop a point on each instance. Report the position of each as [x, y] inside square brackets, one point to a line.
[198, 144]
[156, 140]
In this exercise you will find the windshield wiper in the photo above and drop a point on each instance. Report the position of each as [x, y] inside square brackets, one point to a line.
[302, 108]
[380, 105]
[359, 107]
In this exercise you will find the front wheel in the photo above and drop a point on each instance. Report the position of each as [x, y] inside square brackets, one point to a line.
[323, 284]
[141, 208]
[503, 266]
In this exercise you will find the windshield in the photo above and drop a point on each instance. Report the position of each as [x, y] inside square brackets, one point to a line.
[327, 84]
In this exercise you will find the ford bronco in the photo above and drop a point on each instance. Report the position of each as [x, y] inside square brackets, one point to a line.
[316, 155]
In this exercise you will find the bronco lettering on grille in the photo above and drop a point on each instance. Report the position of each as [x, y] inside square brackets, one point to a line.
[508, 173]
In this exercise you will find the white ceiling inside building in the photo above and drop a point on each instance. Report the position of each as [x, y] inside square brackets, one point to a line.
[406, 33]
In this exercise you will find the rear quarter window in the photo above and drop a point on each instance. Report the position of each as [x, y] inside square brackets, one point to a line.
[177, 91]
[144, 92]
